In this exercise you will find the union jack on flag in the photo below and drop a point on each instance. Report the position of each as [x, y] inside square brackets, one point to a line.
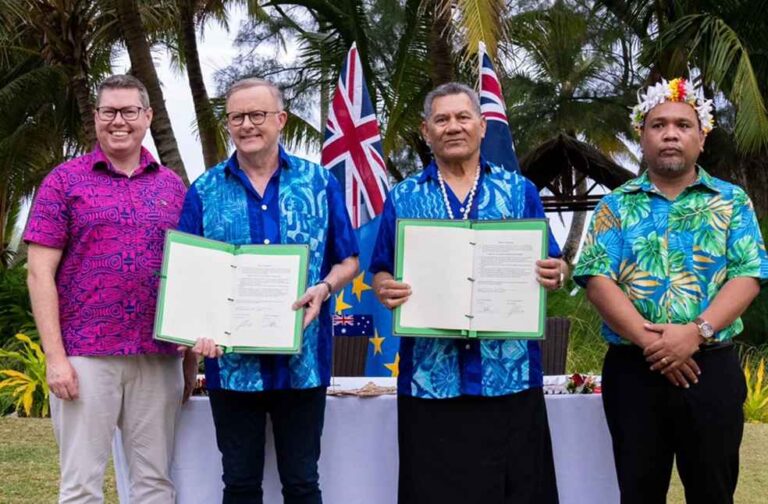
[352, 146]
[497, 146]
[353, 325]
[343, 320]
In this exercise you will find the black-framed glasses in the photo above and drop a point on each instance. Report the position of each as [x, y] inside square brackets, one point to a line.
[130, 113]
[255, 116]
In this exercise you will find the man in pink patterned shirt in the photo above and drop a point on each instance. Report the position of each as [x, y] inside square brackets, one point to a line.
[95, 239]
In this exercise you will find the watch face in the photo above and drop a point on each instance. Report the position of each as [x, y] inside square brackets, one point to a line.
[706, 330]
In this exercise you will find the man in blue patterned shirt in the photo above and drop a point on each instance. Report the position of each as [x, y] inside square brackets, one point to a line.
[263, 195]
[472, 425]
[671, 259]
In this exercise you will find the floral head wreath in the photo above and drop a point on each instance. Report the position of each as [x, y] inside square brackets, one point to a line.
[676, 90]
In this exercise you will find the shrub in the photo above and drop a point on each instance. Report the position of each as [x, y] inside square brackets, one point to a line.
[755, 318]
[28, 388]
[756, 405]
[15, 308]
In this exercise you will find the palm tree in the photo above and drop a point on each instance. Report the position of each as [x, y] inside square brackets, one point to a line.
[193, 15]
[726, 41]
[39, 125]
[561, 88]
[73, 36]
[136, 41]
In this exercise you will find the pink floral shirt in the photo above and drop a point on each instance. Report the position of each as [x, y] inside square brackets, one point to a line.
[111, 229]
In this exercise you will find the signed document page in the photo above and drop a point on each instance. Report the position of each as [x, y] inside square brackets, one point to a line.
[266, 287]
[239, 296]
[506, 295]
[471, 279]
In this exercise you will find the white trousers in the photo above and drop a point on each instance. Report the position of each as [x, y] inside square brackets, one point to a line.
[141, 395]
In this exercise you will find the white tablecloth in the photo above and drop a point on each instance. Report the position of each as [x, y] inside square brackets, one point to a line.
[358, 464]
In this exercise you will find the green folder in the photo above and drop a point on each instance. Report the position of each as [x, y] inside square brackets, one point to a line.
[238, 295]
[471, 279]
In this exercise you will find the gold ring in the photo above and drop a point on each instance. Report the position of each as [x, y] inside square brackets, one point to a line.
[664, 361]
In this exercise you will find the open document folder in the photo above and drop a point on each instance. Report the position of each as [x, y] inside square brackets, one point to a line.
[238, 295]
[473, 279]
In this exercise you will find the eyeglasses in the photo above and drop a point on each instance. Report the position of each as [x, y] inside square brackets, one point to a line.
[109, 113]
[256, 117]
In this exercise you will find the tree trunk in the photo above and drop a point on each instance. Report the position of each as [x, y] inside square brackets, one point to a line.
[441, 54]
[326, 88]
[213, 150]
[85, 107]
[572, 242]
[143, 68]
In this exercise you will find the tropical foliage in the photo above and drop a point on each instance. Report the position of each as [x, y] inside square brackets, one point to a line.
[756, 404]
[568, 67]
[15, 308]
[28, 388]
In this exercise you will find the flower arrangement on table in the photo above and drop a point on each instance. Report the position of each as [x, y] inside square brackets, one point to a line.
[583, 384]
[200, 388]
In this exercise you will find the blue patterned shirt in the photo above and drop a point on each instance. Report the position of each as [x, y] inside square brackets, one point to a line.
[439, 368]
[672, 257]
[263, 221]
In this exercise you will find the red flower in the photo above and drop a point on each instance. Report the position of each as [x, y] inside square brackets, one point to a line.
[577, 379]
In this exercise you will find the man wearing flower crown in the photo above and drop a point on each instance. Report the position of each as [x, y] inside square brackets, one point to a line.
[472, 425]
[671, 260]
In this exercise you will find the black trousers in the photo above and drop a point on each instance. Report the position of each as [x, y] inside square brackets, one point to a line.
[652, 422]
[297, 423]
[475, 450]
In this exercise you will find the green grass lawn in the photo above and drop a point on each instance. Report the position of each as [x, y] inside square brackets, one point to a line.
[29, 463]
[29, 466]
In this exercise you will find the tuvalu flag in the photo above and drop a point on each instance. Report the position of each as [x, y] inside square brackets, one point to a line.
[497, 146]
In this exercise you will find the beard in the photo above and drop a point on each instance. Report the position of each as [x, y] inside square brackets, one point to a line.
[663, 167]
[669, 167]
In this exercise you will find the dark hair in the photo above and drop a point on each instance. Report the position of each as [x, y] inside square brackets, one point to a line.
[124, 82]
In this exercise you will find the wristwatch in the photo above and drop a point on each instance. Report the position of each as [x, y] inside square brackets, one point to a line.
[330, 288]
[706, 330]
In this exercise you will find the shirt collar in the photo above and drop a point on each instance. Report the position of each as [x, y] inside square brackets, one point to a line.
[284, 162]
[643, 182]
[430, 172]
[101, 162]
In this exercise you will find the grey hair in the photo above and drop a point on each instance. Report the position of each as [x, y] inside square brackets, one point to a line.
[123, 81]
[448, 89]
[252, 82]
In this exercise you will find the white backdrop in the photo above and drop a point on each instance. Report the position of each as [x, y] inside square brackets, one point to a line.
[358, 464]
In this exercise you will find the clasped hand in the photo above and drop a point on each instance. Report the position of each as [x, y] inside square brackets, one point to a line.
[670, 354]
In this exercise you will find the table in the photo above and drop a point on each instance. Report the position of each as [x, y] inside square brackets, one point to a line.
[358, 462]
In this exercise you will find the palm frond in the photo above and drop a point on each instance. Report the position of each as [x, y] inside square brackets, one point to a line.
[300, 134]
[725, 61]
[478, 21]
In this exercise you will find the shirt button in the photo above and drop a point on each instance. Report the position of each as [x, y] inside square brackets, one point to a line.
[468, 346]
[266, 242]
[263, 207]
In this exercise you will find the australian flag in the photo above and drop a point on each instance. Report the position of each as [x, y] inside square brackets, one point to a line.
[353, 325]
[497, 146]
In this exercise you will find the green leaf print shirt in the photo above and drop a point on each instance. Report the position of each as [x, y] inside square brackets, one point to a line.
[672, 257]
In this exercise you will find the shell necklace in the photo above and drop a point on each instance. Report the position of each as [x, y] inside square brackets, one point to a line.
[465, 211]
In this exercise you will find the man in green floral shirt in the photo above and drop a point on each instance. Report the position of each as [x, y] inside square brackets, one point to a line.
[671, 260]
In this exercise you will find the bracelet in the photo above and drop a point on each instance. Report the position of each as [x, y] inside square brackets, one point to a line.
[330, 288]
